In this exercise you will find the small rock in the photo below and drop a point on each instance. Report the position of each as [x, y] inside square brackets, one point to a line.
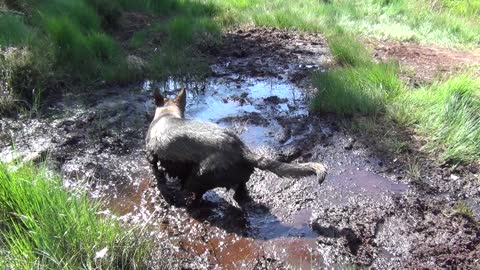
[454, 177]
[35, 157]
[349, 144]
[326, 131]
[239, 53]
[275, 100]
[72, 140]
[68, 122]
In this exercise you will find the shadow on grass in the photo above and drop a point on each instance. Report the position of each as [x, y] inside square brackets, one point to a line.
[74, 43]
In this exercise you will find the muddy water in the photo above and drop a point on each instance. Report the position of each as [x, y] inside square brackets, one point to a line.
[96, 141]
[265, 232]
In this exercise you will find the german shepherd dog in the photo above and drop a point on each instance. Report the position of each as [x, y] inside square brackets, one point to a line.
[205, 156]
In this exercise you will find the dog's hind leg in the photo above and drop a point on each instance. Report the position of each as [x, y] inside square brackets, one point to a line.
[160, 178]
[241, 174]
[153, 160]
[241, 195]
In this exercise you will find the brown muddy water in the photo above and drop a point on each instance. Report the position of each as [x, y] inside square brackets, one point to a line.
[360, 216]
[229, 238]
[97, 142]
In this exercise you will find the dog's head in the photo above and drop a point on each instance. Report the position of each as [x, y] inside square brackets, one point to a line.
[174, 106]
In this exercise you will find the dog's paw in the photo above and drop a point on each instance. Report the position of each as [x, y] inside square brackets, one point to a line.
[320, 170]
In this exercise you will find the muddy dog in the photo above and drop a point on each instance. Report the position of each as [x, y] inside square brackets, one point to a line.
[205, 156]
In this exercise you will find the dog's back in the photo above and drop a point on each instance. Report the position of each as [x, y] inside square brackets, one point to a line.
[204, 155]
[185, 140]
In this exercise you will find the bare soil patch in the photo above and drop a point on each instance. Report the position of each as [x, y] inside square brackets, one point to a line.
[424, 64]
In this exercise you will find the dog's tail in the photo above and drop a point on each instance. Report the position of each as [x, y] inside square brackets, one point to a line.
[289, 170]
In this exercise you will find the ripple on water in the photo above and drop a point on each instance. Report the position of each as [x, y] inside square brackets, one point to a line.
[222, 98]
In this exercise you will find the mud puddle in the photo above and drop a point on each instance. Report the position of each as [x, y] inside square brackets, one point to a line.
[272, 230]
[97, 142]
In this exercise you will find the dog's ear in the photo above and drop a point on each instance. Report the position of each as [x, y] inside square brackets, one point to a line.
[159, 99]
[181, 99]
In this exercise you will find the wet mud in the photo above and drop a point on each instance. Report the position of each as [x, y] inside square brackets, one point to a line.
[368, 212]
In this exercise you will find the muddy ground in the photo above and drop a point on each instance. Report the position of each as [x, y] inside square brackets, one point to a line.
[368, 212]
[424, 64]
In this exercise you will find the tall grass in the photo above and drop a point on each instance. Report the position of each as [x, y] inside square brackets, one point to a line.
[365, 90]
[397, 19]
[74, 38]
[13, 30]
[468, 8]
[446, 113]
[44, 227]
[80, 43]
[77, 29]
[348, 51]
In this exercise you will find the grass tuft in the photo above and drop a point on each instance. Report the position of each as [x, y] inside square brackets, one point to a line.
[463, 209]
[364, 90]
[447, 113]
[13, 31]
[348, 51]
[455, 23]
[44, 227]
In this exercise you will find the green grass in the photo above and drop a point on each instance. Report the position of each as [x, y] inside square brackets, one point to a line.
[73, 39]
[365, 90]
[348, 51]
[465, 8]
[398, 19]
[13, 30]
[77, 30]
[461, 208]
[45, 227]
[414, 170]
[446, 113]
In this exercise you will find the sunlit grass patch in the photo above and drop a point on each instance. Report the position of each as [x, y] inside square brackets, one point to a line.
[45, 227]
[447, 113]
[365, 90]
[348, 51]
[466, 8]
[399, 19]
